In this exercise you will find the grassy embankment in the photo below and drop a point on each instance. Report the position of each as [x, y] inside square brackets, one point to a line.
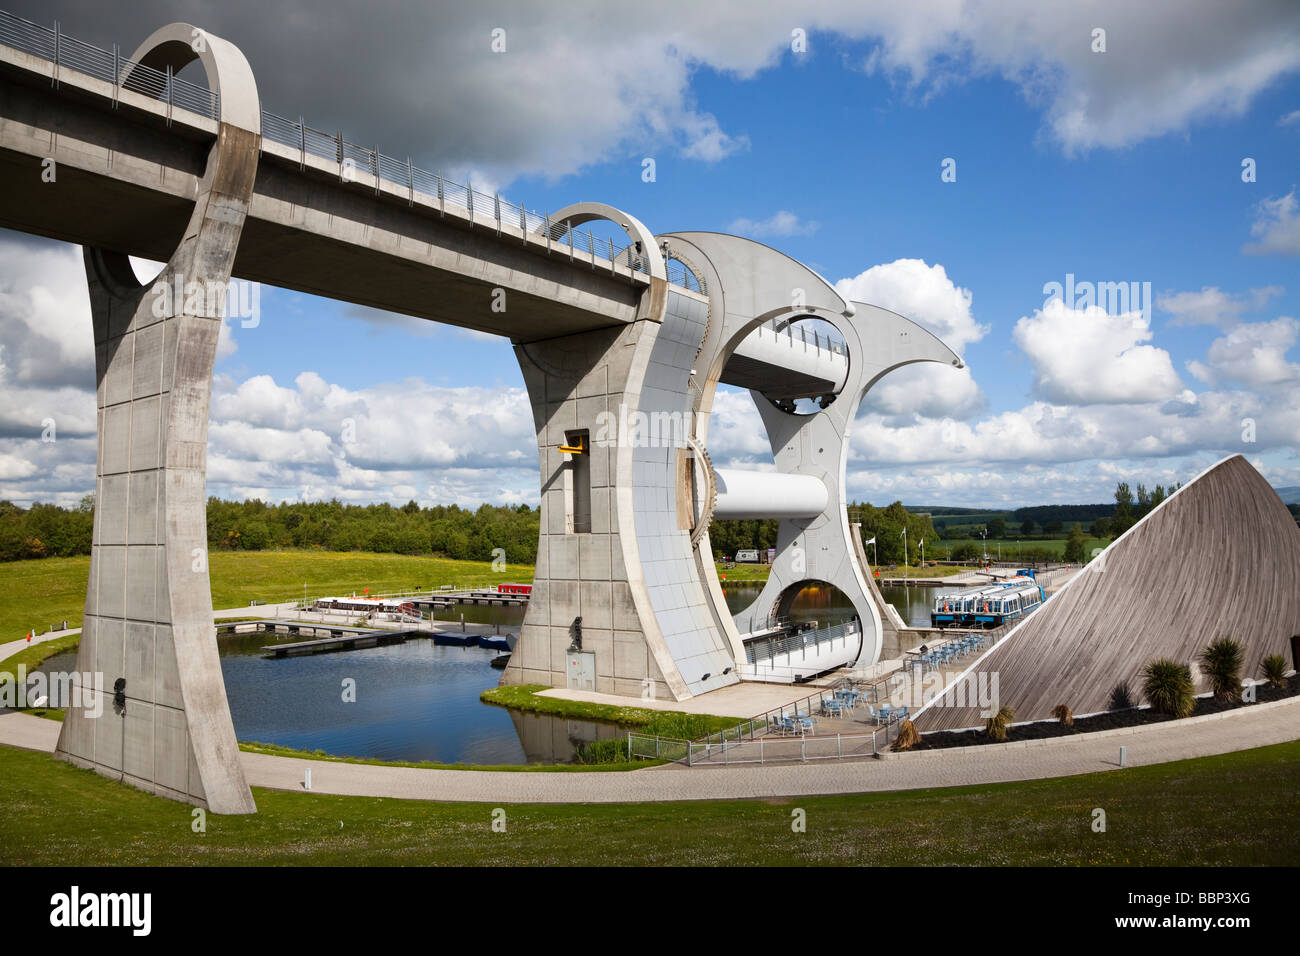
[661, 723]
[1233, 809]
[50, 590]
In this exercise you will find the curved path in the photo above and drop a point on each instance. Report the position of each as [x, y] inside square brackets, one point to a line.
[1247, 727]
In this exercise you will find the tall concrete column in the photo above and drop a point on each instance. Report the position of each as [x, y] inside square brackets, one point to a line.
[148, 621]
[616, 547]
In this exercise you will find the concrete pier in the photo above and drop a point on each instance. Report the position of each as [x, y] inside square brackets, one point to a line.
[148, 621]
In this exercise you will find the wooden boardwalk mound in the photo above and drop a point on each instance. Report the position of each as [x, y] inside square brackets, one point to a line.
[1218, 558]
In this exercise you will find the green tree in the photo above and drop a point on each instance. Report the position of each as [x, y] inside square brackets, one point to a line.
[1124, 518]
[1076, 546]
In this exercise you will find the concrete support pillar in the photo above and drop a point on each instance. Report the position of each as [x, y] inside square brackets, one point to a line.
[148, 627]
[577, 384]
[616, 547]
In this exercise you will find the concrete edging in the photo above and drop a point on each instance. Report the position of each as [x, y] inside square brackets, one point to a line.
[1095, 735]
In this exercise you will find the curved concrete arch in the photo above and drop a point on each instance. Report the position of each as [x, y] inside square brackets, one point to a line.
[737, 308]
[148, 621]
[878, 342]
[581, 213]
[726, 251]
[750, 284]
[177, 45]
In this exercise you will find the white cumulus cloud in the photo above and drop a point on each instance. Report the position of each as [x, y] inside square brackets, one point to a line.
[1088, 356]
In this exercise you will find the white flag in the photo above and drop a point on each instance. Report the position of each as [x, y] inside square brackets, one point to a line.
[872, 541]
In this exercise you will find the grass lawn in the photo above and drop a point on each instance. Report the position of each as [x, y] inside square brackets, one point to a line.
[913, 571]
[48, 591]
[663, 723]
[38, 653]
[1234, 809]
[745, 572]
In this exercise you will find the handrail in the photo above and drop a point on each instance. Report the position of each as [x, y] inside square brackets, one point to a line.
[820, 342]
[801, 641]
[51, 44]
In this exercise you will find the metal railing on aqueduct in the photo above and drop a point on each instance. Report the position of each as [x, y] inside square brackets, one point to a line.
[51, 43]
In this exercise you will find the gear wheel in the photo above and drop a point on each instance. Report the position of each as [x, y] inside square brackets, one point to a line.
[710, 491]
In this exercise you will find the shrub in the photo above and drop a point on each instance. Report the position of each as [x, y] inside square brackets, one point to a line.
[1121, 697]
[996, 726]
[1168, 687]
[610, 750]
[907, 736]
[1064, 716]
[680, 726]
[1222, 661]
[1275, 670]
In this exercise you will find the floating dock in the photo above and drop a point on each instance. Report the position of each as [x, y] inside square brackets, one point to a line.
[439, 601]
[325, 638]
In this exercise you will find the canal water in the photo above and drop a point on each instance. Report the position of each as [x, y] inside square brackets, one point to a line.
[413, 701]
[420, 701]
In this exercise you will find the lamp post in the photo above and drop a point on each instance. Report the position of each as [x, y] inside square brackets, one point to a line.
[904, 549]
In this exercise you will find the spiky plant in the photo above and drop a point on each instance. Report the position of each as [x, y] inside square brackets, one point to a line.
[1167, 686]
[908, 736]
[1222, 661]
[1121, 697]
[1275, 670]
[1064, 716]
[996, 726]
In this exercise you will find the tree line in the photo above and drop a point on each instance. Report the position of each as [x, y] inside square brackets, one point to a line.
[43, 531]
[47, 530]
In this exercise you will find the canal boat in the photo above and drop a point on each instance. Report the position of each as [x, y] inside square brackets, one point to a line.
[366, 605]
[987, 605]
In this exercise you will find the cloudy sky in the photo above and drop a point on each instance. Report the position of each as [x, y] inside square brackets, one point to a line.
[1124, 165]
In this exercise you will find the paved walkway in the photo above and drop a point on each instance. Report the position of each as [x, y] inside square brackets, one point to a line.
[268, 610]
[1253, 726]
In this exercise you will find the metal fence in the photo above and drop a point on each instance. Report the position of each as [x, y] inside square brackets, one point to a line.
[768, 749]
[801, 641]
[428, 188]
[795, 332]
[52, 44]
[645, 747]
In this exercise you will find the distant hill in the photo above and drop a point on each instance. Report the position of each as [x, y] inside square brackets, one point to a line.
[945, 517]
[948, 516]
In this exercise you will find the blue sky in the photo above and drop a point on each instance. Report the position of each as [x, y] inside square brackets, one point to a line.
[1067, 162]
